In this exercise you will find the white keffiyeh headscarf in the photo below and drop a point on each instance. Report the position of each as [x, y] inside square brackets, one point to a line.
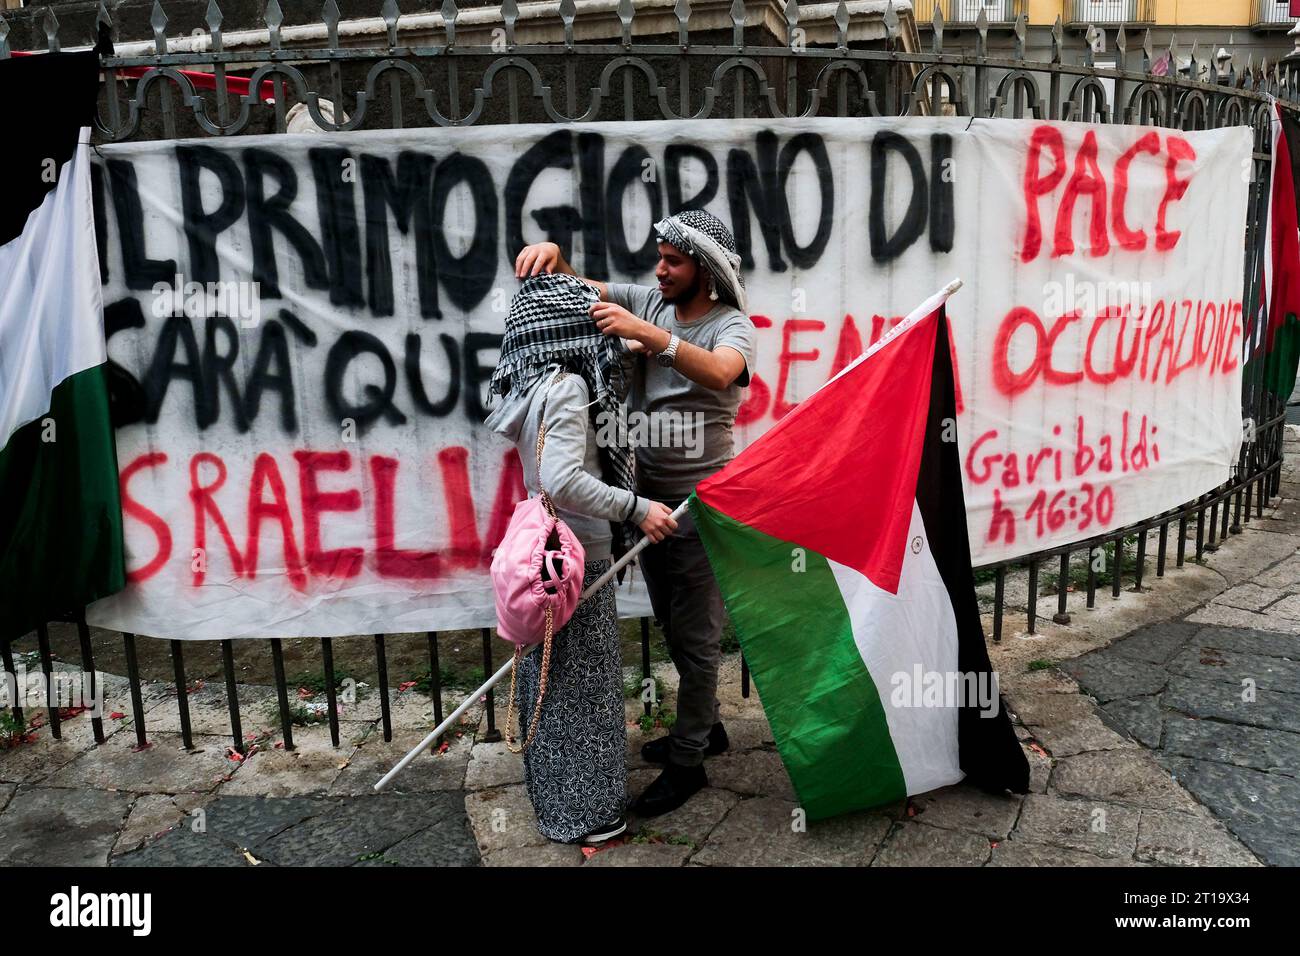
[703, 237]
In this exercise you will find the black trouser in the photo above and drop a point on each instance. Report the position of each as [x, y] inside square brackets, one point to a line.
[687, 602]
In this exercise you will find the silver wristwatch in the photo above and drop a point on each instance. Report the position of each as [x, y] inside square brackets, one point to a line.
[668, 356]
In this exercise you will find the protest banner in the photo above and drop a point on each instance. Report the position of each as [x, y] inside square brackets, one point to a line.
[303, 328]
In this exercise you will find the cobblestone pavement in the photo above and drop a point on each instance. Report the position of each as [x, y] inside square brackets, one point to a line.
[1143, 751]
[1220, 707]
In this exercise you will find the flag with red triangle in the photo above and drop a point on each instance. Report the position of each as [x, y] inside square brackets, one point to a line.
[839, 542]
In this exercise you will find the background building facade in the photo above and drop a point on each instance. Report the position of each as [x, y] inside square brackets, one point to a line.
[1245, 29]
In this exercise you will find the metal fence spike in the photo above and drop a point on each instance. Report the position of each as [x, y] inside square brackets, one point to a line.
[510, 14]
[568, 11]
[391, 14]
[891, 21]
[841, 25]
[51, 30]
[450, 12]
[936, 24]
[274, 20]
[738, 23]
[213, 17]
[104, 29]
[158, 20]
[329, 15]
[682, 11]
[625, 18]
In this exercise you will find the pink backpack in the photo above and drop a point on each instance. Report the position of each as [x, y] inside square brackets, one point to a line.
[537, 573]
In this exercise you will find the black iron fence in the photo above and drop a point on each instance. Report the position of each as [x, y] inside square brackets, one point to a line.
[507, 65]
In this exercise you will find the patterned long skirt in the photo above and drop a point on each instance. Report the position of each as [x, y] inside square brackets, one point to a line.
[576, 766]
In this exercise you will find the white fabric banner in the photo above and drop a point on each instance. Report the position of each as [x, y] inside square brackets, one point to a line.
[307, 323]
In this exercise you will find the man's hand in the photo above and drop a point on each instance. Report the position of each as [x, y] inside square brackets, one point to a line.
[716, 369]
[545, 257]
[538, 258]
[659, 523]
[613, 319]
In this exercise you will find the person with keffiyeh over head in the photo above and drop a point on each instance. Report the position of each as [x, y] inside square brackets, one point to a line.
[558, 373]
[696, 345]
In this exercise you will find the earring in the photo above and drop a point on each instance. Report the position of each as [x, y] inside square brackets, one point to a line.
[713, 288]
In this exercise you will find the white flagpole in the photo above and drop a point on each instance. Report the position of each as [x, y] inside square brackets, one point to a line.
[505, 668]
[912, 318]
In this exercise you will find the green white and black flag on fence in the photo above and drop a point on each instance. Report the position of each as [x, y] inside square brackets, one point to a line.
[60, 515]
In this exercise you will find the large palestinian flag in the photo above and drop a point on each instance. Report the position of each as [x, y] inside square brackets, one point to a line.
[60, 516]
[839, 541]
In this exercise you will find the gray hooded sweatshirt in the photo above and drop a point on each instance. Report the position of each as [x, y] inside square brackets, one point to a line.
[570, 459]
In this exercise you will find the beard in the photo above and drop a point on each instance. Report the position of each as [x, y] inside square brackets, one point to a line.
[687, 293]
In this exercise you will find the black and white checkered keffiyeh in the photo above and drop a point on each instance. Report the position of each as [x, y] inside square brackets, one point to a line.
[548, 323]
[703, 237]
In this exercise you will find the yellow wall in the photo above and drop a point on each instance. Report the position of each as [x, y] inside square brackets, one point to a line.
[1045, 11]
[1203, 12]
[1168, 12]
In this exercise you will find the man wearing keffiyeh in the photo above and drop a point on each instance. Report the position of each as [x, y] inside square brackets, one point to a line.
[695, 348]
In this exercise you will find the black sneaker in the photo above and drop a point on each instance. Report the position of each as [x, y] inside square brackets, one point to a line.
[607, 832]
[670, 790]
[657, 750]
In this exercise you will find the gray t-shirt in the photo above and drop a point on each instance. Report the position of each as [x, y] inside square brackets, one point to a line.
[675, 453]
